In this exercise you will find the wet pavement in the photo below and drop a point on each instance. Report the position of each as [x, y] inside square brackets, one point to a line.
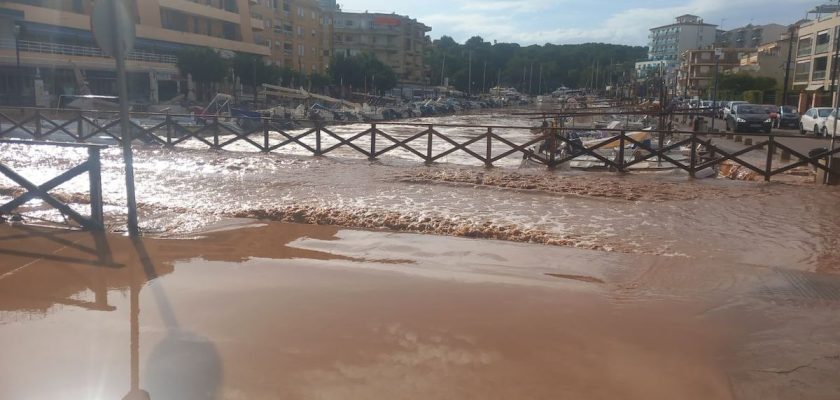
[307, 312]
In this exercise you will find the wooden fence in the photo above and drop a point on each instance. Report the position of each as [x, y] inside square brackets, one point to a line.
[91, 166]
[219, 133]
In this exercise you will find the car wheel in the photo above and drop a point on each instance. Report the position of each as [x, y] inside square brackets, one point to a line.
[816, 130]
[801, 129]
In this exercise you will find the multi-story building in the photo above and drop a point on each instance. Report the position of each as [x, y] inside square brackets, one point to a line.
[814, 49]
[668, 42]
[698, 68]
[767, 60]
[751, 35]
[396, 40]
[295, 34]
[55, 45]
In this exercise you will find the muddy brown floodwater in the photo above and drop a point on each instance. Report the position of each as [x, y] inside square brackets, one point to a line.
[266, 276]
[310, 312]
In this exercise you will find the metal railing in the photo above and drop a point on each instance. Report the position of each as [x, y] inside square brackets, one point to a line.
[83, 51]
[429, 143]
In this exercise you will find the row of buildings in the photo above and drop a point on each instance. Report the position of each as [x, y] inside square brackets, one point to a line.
[689, 52]
[46, 45]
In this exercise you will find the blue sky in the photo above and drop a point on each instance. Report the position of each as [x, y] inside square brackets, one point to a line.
[578, 21]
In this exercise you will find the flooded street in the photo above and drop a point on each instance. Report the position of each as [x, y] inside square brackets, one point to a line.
[285, 275]
[308, 312]
[183, 189]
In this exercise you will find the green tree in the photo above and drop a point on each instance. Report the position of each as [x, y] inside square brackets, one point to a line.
[205, 65]
[362, 71]
[252, 70]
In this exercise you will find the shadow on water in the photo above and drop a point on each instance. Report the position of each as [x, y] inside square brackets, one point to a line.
[44, 267]
[184, 365]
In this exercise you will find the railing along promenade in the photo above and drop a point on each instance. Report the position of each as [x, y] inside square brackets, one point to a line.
[380, 139]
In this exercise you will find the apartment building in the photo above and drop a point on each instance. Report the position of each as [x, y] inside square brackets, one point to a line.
[396, 40]
[751, 35]
[767, 60]
[54, 44]
[295, 34]
[814, 62]
[668, 42]
[697, 69]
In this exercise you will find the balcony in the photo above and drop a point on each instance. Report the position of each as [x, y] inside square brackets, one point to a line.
[81, 51]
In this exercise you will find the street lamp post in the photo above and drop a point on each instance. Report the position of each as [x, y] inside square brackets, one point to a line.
[17, 59]
[718, 53]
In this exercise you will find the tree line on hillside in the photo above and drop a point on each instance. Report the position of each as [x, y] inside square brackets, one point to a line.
[531, 69]
[573, 65]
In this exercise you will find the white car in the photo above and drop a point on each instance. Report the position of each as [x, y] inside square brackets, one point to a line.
[814, 121]
[829, 124]
[727, 109]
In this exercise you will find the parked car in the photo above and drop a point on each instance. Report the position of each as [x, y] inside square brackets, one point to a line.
[829, 124]
[727, 108]
[814, 120]
[788, 117]
[749, 117]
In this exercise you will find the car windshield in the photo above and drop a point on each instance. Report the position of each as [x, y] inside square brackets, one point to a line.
[771, 109]
[789, 110]
[750, 109]
[824, 112]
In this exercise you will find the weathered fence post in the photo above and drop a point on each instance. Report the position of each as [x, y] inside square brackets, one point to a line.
[80, 127]
[265, 134]
[771, 149]
[429, 146]
[488, 157]
[216, 132]
[551, 142]
[372, 142]
[95, 177]
[692, 161]
[37, 124]
[621, 151]
[168, 130]
[318, 127]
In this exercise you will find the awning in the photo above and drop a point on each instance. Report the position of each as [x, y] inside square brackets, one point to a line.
[814, 87]
[13, 14]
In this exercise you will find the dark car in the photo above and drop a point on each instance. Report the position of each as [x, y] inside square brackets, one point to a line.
[788, 117]
[749, 117]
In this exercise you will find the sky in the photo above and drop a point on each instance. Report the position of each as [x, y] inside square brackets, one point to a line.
[578, 21]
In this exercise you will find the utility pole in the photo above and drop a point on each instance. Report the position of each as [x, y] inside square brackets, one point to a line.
[443, 69]
[836, 103]
[469, 77]
[484, 79]
[539, 86]
[718, 54]
[531, 80]
[792, 33]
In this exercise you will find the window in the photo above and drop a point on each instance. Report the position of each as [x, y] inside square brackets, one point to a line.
[823, 42]
[820, 66]
[804, 48]
[301, 50]
[803, 69]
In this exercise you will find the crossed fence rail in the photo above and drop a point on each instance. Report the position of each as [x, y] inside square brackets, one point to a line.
[218, 133]
[91, 166]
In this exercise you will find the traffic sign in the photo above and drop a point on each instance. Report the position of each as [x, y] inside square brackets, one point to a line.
[111, 23]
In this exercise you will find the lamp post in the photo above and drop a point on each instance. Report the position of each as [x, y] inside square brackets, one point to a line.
[718, 53]
[17, 59]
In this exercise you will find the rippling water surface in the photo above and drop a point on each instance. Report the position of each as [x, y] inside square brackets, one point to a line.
[182, 190]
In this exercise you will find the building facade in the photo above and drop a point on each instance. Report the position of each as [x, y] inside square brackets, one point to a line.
[767, 60]
[751, 35]
[813, 53]
[295, 31]
[398, 41]
[668, 42]
[56, 46]
[698, 69]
